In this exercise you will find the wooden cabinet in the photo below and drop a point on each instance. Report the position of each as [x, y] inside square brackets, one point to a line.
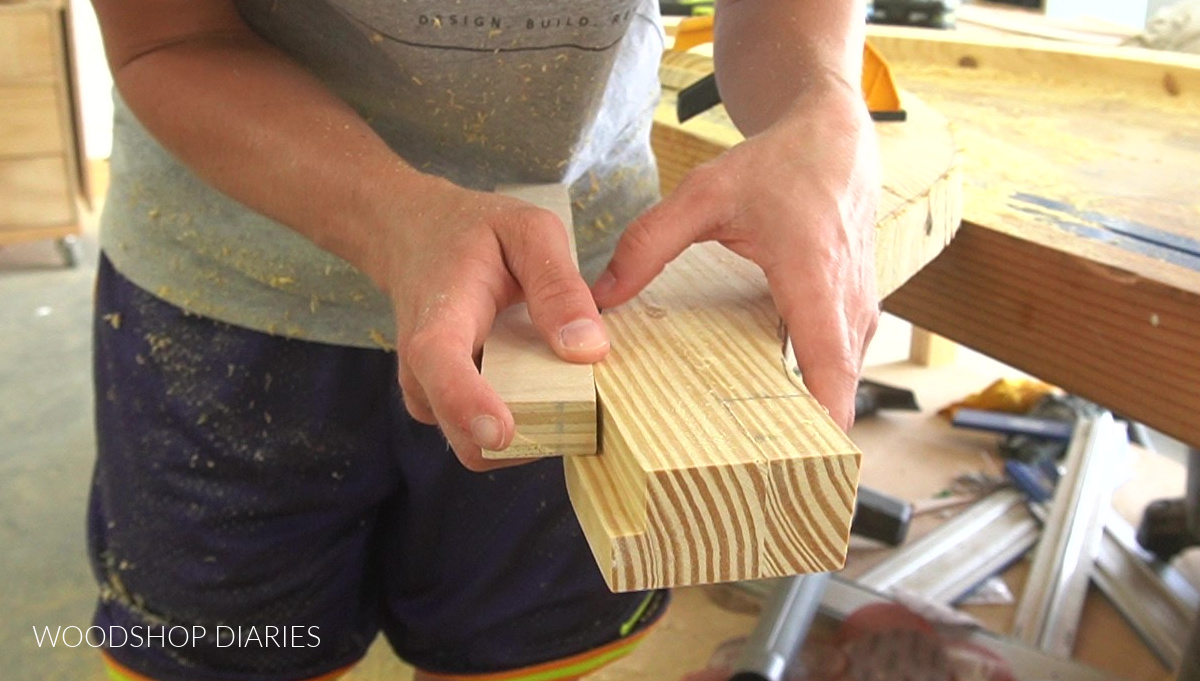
[39, 146]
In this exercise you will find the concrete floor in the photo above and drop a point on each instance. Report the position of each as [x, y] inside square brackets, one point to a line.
[46, 453]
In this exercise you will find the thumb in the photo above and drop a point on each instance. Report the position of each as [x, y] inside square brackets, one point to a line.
[656, 238]
[560, 305]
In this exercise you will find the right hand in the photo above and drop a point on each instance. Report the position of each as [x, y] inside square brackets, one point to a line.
[453, 259]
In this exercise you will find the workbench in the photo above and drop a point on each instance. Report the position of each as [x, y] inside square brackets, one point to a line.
[1078, 259]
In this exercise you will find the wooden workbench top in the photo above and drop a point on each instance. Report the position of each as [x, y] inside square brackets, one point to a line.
[1079, 256]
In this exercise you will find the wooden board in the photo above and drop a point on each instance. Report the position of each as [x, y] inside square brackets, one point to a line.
[713, 464]
[1003, 19]
[1077, 159]
[553, 401]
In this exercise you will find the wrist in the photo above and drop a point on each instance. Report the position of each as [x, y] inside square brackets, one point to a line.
[832, 98]
[377, 232]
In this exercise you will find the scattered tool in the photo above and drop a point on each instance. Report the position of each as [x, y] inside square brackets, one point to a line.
[1035, 480]
[881, 517]
[927, 13]
[1157, 600]
[782, 627]
[1012, 424]
[1171, 525]
[686, 8]
[1048, 614]
[873, 396]
[1164, 528]
[946, 564]
[845, 601]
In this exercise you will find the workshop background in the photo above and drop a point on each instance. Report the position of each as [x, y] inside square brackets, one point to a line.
[46, 438]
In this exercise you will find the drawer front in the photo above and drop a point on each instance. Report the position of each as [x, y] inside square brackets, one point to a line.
[28, 44]
[29, 120]
[35, 192]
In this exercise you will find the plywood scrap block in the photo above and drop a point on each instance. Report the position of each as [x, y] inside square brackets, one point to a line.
[553, 401]
[713, 465]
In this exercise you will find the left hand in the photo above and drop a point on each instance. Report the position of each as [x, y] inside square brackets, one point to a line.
[799, 200]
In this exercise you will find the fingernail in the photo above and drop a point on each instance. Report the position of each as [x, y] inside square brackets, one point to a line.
[583, 334]
[487, 432]
[604, 285]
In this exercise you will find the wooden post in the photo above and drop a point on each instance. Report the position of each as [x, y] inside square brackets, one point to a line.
[928, 349]
[553, 401]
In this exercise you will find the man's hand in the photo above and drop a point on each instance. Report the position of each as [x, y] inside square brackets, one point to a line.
[799, 200]
[454, 260]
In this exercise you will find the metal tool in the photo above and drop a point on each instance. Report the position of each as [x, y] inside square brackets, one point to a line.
[946, 564]
[1159, 603]
[873, 396]
[843, 597]
[1048, 613]
[782, 628]
[1011, 424]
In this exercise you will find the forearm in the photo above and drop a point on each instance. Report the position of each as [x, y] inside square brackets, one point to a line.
[264, 131]
[772, 54]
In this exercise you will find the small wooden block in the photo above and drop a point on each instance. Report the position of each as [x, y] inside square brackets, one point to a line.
[553, 401]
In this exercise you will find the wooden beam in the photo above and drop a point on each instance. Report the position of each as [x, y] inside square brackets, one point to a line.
[928, 349]
[1128, 71]
[713, 464]
[1088, 323]
[978, 18]
[553, 401]
[1077, 261]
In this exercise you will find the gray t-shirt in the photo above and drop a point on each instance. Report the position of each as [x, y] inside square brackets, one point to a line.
[482, 93]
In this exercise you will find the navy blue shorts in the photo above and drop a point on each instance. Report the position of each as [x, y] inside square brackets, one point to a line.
[263, 507]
